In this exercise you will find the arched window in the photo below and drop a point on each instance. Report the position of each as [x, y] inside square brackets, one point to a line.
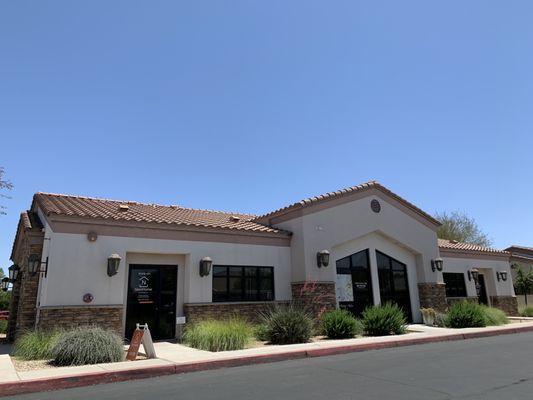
[393, 282]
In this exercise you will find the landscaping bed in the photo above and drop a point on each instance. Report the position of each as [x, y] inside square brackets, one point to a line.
[294, 324]
[39, 349]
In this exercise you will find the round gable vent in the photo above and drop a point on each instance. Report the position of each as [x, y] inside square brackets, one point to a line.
[375, 206]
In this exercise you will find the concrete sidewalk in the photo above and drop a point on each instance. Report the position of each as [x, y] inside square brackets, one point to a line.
[175, 358]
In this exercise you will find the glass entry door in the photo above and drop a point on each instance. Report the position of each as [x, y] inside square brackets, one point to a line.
[354, 283]
[152, 299]
[393, 283]
[481, 288]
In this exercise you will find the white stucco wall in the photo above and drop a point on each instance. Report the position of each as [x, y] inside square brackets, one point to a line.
[77, 266]
[332, 227]
[488, 268]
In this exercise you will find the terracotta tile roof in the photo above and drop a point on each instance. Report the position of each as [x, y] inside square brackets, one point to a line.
[521, 253]
[27, 221]
[343, 192]
[96, 208]
[519, 248]
[467, 247]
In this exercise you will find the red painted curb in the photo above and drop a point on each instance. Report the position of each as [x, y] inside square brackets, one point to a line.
[94, 378]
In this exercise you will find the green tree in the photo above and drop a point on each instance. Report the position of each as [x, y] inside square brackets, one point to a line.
[459, 226]
[523, 281]
[5, 297]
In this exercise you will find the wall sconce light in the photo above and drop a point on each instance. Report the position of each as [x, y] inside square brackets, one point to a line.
[322, 258]
[4, 284]
[205, 266]
[502, 276]
[34, 265]
[113, 262]
[473, 274]
[437, 264]
[14, 272]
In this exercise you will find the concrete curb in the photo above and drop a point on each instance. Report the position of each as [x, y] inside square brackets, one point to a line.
[95, 378]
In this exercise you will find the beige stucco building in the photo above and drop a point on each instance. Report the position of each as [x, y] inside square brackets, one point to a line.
[94, 261]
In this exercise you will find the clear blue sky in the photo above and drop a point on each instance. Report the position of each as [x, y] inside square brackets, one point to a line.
[251, 105]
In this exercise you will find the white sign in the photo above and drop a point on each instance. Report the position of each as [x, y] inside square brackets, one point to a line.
[344, 288]
[180, 320]
[147, 342]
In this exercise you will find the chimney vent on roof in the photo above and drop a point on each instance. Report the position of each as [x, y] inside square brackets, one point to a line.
[234, 218]
[123, 207]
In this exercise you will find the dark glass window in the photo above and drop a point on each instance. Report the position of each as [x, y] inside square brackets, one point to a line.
[357, 266]
[455, 284]
[393, 282]
[233, 283]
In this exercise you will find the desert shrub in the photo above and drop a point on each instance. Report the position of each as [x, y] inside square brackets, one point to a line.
[35, 344]
[287, 324]
[466, 314]
[3, 326]
[440, 320]
[219, 335]
[340, 324]
[527, 311]
[387, 319]
[261, 332]
[494, 316]
[89, 345]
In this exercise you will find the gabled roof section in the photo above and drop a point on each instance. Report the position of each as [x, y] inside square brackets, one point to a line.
[338, 194]
[116, 210]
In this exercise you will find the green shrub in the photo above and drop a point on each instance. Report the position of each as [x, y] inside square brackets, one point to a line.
[387, 319]
[287, 324]
[494, 316]
[3, 326]
[223, 335]
[466, 314]
[261, 332]
[527, 311]
[5, 298]
[340, 324]
[35, 345]
[84, 346]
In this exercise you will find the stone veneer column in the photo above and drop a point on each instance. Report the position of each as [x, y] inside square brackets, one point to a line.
[432, 295]
[66, 317]
[318, 297]
[508, 304]
[23, 307]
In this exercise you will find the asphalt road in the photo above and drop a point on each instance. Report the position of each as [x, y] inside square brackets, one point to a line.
[490, 368]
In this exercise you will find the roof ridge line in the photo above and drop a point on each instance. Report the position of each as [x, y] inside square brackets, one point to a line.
[72, 196]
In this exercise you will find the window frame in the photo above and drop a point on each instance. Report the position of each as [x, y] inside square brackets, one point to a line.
[455, 287]
[243, 277]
